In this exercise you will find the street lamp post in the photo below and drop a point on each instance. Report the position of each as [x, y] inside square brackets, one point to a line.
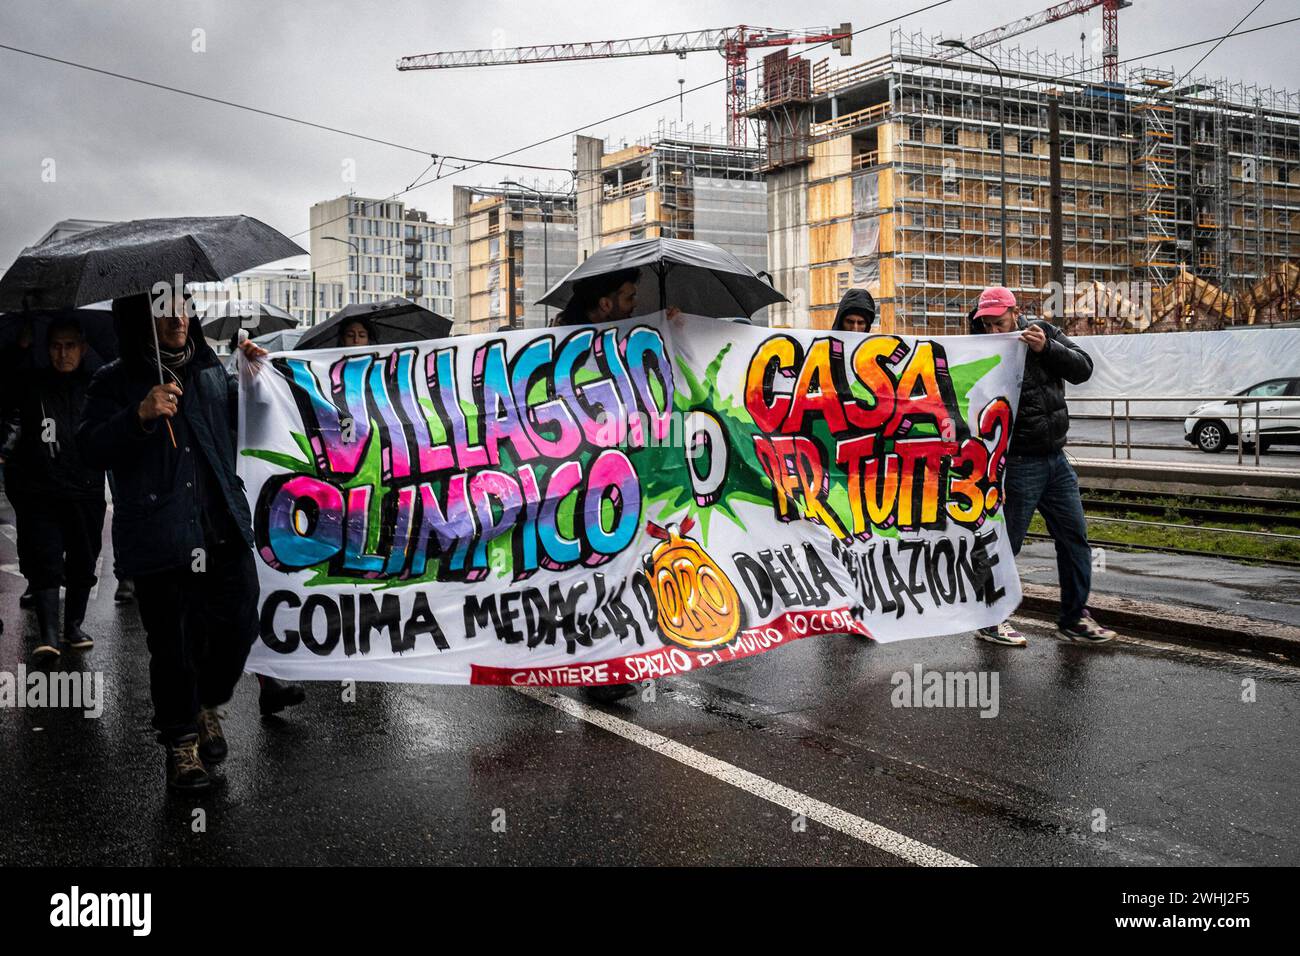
[542, 200]
[355, 251]
[1002, 139]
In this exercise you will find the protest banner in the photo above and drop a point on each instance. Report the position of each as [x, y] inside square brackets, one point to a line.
[612, 503]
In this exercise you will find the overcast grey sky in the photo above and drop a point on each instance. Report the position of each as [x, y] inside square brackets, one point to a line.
[124, 151]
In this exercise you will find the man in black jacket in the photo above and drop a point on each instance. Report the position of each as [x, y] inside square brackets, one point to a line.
[183, 527]
[1039, 476]
[61, 491]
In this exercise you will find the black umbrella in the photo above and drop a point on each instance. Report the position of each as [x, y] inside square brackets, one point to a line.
[285, 341]
[129, 257]
[697, 277]
[221, 320]
[393, 320]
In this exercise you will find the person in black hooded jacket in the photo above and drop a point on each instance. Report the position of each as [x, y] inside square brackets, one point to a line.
[62, 492]
[857, 312]
[181, 519]
[1038, 475]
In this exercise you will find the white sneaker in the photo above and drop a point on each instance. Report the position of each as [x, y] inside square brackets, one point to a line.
[1003, 634]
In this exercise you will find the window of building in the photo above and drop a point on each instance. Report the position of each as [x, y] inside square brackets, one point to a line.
[950, 136]
[994, 192]
[1067, 197]
[951, 186]
[952, 221]
[1250, 215]
[1067, 230]
[918, 270]
[916, 183]
[1028, 227]
[1098, 232]
[995, 140]
[1067, 149]
[1096, 201]
[916, 132]
[1283, 218]
[952, 272]
[1026, 193]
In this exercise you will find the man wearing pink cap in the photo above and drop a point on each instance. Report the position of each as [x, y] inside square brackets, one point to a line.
[1039, 476]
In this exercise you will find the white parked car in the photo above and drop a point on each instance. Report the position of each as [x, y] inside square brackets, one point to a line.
[1213, 426]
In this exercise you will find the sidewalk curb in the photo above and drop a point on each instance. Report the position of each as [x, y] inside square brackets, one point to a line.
[1174, 623]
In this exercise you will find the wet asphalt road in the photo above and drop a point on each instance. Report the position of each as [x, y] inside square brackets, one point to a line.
[1156, 739]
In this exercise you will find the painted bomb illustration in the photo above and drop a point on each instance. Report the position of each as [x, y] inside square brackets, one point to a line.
[698, 606]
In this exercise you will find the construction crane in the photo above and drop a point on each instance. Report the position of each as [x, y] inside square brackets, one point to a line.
[1109, 25]
[734, 43]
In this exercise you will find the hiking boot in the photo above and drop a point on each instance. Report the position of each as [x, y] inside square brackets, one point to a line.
[125, 592]
[1003, 634]
[608, 693]
[74, 612]
[276, 695]
[185, 771]
[212, 742]
[1085, 631]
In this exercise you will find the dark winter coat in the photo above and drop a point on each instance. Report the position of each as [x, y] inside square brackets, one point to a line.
[168, 501]
[1043, 419]
[48, 405]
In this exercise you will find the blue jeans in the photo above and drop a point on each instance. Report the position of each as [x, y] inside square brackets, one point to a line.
[1048, 483]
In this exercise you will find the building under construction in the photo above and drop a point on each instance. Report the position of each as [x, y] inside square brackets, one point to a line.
[678, 184]
[886, 175]
[509, 244]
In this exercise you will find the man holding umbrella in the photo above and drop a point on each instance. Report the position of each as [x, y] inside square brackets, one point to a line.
[62, 492]
[161, 418]
[182, 518]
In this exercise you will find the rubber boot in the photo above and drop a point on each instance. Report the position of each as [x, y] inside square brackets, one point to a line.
[47, 622]
[74, 612]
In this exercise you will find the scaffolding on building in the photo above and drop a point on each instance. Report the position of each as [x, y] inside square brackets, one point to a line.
[1160, 176]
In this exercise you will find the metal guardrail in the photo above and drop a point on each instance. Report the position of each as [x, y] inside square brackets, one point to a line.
[1127, 417]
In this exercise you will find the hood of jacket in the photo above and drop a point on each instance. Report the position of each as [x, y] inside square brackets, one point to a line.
[131, 317]
[855, 300]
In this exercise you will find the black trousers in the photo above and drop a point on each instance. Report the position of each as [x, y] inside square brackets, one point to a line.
[199, 626]
[59, 541]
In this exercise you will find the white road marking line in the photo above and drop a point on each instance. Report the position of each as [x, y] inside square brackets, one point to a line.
[903, 847]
